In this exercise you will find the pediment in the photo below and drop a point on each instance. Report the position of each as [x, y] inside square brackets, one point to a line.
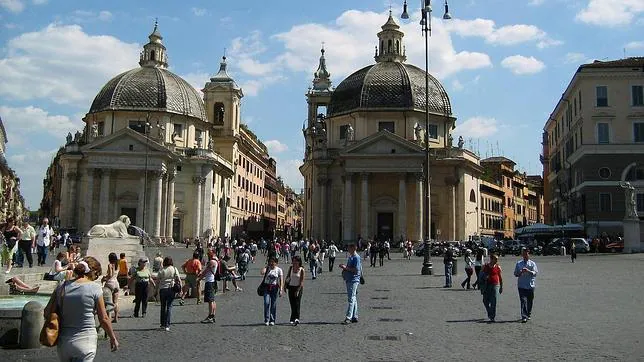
[383, 142]
[125, 140]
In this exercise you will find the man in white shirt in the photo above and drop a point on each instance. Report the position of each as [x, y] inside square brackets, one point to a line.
[43, 240]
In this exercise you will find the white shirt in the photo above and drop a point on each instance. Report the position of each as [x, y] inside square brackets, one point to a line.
[274, 275]
[332, 250]
[209, 274]
[44, 235]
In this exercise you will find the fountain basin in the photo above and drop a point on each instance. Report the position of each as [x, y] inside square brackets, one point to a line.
[11, 316]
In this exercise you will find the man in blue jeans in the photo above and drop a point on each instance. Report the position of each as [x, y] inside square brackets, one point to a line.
[43, 240]
[448, 260]
[351, 273]
[526, 270]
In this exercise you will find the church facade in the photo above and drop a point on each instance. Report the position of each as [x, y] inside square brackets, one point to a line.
[157, 151]
[365, 154]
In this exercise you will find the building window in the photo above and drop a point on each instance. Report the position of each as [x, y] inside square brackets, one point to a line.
[198, 136]
[386, 126]
[638, 131]
[637, 95]
[101, 128]
[219, 113]
[602, 96]
[605, 202]
[138, 126]
[472, 196]
[343, 131]
[433, 131]
[177, 129]
[640, 203]
[603, 133]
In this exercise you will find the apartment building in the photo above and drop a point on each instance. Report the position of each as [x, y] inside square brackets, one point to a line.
[592, 140]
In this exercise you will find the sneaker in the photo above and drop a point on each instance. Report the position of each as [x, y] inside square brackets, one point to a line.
[207, 320]
[296, 322]
[529, 317]
[346, 321]
[182, 302]
[266, 323]
[524, 320]
[354, 320]
[167, 329]
[238, 289]
[291, 322]
[272, 323]
[198, 301]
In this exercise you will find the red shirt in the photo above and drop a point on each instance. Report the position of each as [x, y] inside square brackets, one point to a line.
[494, 274]
[192, 266]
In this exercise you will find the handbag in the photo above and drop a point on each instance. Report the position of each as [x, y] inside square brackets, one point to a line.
[176, 284]
[261, 289]
[51, 327]
[361, 277]
[47, 276]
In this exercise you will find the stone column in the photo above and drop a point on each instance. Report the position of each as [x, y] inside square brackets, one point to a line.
[402, 205]
[419, 207]
[103, 203]
[89, 195]
[347, 209]
[158, 198]
[164, 205]
[140, 214]
[364, 206]
[71, 213]
[322, 186]
[196, 222]
[170, 205]
[453, 237]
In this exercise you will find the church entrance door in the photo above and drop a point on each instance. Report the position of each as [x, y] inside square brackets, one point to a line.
[176, 229]
[385, 225]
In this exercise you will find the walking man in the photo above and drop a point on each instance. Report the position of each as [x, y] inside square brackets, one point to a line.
[210, 289]
[351, 272]
[43, 240]
[448, 260]
[332, 252]
[526, 270]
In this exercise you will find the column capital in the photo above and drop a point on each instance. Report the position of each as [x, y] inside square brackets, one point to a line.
[103, 172]
[323, 180]
[72, 175]
[171, 175]
[402, 176]
[198, 180]
[365, 175]
[419, 176]
[90, 171]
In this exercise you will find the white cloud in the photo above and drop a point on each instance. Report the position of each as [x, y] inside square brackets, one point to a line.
[610, 12]
[68, 65]
[199, 11]
[457, 85]
[505, 35]
[105, 15]
[289, 170]
[14, 6]
[87, 16]
[275, 146]
[574, 58]
[521, 65]
[634, 45]
[477, 127]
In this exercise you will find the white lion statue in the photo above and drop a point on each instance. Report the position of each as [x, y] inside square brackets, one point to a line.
[117, 229]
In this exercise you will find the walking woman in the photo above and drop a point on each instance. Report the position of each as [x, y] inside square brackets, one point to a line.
[76, 301]
[478, 265]
[142, 280]
[493, 286]
[11, 236]
[112, 283]
[469, 263]
[295, 283]
[166, 277]
[573, 252]
[274, 280]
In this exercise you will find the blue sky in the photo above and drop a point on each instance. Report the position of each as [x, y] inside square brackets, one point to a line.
[504, 63]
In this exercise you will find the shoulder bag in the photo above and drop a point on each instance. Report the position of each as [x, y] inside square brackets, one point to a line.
[176, 283]
[261, 289]
[362, 281]
[51, 328]
[287, 280]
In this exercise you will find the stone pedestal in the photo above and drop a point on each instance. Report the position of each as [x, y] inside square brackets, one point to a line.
[632, 236]
[100, 248]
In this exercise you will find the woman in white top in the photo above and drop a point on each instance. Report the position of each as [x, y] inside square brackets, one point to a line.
[274, 280]
[295, 283]
[332, 253]
[166, 278]
[59, 272]
[469, 263]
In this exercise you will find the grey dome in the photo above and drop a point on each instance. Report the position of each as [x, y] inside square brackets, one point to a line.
[388, 86]
[149, 89]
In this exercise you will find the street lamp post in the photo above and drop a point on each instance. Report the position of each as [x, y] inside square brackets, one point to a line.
[426, 28]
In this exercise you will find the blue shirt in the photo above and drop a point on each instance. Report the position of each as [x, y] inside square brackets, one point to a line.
[353, 262]
[526, 279]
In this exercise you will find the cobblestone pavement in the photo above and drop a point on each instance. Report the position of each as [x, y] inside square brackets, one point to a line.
[588, 310]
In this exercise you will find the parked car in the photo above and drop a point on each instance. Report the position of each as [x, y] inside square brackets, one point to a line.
[615, 246]
[512, 247]
[553, 247]
[581, 245]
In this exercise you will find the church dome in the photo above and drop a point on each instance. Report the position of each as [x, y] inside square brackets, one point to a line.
[388, 86]
[149, 89]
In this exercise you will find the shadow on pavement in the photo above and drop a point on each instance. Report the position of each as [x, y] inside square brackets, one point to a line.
[138, 329]
[479, 320]
[428, 288]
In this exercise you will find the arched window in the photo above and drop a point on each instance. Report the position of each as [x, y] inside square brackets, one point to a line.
[153, 55]
[472, 196]
[382, 46]
[219, 113]
[397, 47]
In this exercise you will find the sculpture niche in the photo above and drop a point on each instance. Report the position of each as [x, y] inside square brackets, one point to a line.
[117, 229]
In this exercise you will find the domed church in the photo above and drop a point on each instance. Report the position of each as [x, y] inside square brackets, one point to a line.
[152, 149]
[365, 154]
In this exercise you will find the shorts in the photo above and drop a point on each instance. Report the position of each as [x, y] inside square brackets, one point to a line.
[253, 253]
[209, 292]
[112, 285]
[7, 255]
[191, 280]
[122, 279]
